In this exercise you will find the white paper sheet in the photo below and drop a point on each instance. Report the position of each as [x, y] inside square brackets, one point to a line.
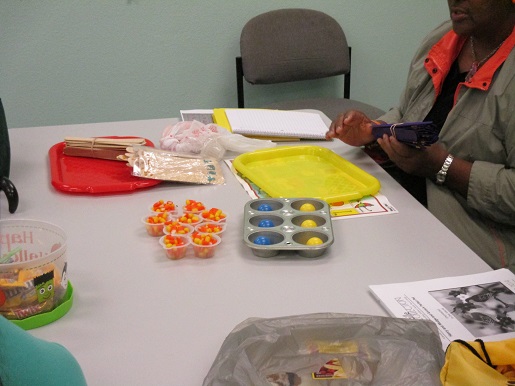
[464, 307]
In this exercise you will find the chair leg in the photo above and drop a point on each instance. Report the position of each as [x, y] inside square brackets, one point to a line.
[239, 82]
[346, 85]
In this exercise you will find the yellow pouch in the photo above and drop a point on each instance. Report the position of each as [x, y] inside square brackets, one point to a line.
[479, 363]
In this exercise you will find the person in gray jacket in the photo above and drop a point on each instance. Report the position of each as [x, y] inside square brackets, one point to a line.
[462, 78]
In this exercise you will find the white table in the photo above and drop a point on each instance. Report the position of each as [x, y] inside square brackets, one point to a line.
[140, 319]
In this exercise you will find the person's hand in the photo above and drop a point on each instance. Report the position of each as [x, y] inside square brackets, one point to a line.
[425, 162]
[352, 127]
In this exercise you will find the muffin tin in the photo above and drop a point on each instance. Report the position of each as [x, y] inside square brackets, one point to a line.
[272, 225]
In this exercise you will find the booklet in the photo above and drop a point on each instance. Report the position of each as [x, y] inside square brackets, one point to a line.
[463, 307]
[272, 123]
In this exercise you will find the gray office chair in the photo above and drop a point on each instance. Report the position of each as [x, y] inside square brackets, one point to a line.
[289, 45]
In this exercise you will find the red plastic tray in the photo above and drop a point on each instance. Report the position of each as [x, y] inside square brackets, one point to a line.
[92, 175]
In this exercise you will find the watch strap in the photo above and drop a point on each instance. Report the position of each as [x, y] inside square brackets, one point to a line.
[442, 174]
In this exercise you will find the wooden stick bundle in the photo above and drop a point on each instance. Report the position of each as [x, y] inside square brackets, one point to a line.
[100, 147]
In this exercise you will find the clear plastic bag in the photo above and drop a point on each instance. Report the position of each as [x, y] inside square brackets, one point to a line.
[329, 349]
[207, 140]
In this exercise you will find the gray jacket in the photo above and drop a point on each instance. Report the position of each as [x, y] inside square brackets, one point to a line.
[481, 129]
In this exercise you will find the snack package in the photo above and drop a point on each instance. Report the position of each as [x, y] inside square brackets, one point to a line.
[158, 164]
[207, 140]
[29, 292]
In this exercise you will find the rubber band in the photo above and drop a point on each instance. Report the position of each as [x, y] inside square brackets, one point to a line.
[392, 129]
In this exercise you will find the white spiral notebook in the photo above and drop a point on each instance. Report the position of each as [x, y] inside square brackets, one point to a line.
[276, 123]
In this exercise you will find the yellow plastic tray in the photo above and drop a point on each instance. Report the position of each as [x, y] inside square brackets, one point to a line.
[306, 171]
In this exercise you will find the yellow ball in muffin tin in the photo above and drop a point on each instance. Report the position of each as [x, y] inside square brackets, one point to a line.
[307, 207]
[314, 241]
[308, 224]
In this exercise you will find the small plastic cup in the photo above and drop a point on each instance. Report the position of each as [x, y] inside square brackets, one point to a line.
[162, 206]
[154, 223]
[213, 228]
[190, 218]
[175, 227]
[205, 251]
[175, 246]
[170, 212]
[213, 215]
[193, 206]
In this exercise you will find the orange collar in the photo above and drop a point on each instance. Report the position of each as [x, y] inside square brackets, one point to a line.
[444, 53]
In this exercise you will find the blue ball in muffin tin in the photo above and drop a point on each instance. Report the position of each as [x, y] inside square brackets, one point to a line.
[265, 208]
[262, 240]
[266, 223]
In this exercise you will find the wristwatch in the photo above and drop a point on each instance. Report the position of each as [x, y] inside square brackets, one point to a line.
[442, 174]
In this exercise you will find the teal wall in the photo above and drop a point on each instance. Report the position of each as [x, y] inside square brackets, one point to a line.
[76, 61]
